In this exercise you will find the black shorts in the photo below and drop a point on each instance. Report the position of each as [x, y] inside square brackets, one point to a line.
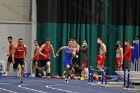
[17, 62]
[9, 60]
[76, 59]
[35, 62]
[43, 62]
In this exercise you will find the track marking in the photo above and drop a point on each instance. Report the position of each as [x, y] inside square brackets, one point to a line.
[56, 84]
[7, 90]
[31, 89]
[60, 89]
[4, 83]
[132, 89]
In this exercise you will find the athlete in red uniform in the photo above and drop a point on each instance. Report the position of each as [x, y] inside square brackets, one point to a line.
[119, 56]
[127, 55]
[44, 52]
[18, 56]
[9, 61]
[35, 59]
[102, 54]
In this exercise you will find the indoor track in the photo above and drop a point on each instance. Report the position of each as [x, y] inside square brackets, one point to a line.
[45, 85]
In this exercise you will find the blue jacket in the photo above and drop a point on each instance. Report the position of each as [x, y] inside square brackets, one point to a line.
[136, 50]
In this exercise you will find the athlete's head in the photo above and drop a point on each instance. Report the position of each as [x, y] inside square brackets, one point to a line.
[10, 39]
[36, 42]
[99, 40]
[20, 41]
[137, 38]
[118, 42]
[74, 40]
[127, 42]
[47, 41]
[84, 43]
[70, 43]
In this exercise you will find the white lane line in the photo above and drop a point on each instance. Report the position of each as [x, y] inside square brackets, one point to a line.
[3, 83]
[56, 84]
[132, 89]
[7, 90]
[60, 89]
[31, 89]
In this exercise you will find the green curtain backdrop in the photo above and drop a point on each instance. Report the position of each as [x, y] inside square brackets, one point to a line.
[60, 20]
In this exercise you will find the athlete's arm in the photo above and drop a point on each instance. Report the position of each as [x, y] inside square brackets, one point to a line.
[104, 48]
[10, 52]
[13, 52]
[121, 55]
[78, 48]
[53, 51]
[126, 51]
[41, 50]
[37, 52]
[74, 52]
[84, 48]
[25, 46]
[62, 48]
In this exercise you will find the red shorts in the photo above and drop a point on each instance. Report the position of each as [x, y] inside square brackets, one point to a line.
[84, 64]
[118, 62]
[101, 60]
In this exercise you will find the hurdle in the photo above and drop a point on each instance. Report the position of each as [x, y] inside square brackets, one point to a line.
[91, 71]
[126, 79]
[129, 78]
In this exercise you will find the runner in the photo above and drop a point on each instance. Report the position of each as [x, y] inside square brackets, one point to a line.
[9, 61]
[44, 52]
[35, 59]
[18, 56]
[70, 52]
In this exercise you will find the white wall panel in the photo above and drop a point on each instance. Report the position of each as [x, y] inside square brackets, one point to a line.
[14, 10]
[16, 31]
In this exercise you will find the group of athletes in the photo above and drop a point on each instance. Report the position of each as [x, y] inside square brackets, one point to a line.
[18, 52]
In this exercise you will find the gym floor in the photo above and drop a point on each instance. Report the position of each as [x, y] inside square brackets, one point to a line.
[45, 85]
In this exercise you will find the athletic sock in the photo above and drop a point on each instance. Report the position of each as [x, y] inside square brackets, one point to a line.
[6, 73]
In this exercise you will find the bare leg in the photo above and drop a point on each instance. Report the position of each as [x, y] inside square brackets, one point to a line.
[7, 69]
[96, 74]
[22, 72]
[48, 67]
[68, 73]
[33, 68]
